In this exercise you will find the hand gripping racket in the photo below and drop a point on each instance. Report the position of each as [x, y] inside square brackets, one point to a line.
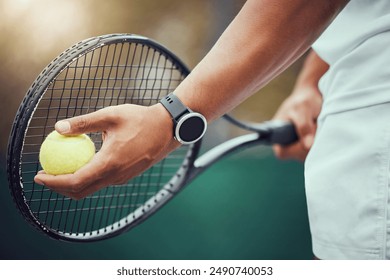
[95, 73]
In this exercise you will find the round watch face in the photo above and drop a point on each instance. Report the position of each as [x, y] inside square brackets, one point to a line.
[190, 128]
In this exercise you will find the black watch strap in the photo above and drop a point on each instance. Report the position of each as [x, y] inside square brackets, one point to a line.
[174, 106]
[189, 126]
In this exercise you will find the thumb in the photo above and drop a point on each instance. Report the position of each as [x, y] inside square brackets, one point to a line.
[307, 134]
[92, 122]
[306, 128]
[308, 140]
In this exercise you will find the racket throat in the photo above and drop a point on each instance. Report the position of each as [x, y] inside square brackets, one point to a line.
[223, 150]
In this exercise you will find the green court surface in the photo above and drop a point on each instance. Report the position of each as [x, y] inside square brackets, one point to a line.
[244, 207]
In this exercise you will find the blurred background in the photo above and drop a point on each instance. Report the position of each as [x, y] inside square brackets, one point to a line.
[248, 206]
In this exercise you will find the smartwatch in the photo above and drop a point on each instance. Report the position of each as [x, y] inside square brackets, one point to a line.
[188, 126]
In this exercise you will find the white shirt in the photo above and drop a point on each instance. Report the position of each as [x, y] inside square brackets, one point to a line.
[357, 48]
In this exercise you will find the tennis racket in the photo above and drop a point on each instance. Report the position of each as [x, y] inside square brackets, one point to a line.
[95, 73]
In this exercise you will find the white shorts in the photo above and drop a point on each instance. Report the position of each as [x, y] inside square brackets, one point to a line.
[347, 185]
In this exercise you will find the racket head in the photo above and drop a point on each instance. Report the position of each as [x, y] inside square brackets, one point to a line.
[92, 74]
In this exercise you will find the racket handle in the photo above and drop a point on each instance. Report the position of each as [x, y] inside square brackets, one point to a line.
[268, 133]
[281, 132]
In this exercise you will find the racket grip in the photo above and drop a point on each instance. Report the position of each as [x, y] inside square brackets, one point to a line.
[282, 133]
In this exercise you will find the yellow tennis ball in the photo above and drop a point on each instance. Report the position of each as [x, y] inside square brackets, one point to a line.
[61, 154]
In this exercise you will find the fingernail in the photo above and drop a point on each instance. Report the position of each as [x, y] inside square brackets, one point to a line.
[62, 126]
[308, 141]
[38, 181]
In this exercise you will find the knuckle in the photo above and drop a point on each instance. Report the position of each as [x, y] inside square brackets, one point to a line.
[303, 128]
[282, 156]
[75, 185]
[109, 166]
[302, 125]
[113, 166]
[75, 197]
[117, 177]
[82, 123]
[123, 181]
[110, 113]
[279, 152]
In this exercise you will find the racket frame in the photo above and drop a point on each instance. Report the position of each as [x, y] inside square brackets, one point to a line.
[23, 118]
[266, 133]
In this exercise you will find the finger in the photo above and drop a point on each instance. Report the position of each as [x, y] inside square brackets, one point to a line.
[89, 190]
[92, 174]
[308, 140]
[294, 151]
[303, 125]
[92, 122]
[306, 128]
[68, 191]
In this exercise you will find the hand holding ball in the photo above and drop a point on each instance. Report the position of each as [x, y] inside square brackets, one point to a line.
[61, 154]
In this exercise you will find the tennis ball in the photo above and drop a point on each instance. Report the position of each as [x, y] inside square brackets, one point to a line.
[61, 154]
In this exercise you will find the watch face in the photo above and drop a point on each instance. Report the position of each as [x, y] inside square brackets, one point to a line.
[190, 128]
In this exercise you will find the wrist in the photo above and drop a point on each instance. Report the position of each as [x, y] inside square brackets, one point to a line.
[189, 126]
[165, 119]
[307, 90]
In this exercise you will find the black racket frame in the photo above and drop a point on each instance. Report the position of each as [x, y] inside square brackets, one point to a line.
[27, 108]
[268, 133]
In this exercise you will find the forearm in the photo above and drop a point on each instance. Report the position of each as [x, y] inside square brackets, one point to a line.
[262, 41]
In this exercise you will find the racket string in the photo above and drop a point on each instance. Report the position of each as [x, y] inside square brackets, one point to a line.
[106, 76]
